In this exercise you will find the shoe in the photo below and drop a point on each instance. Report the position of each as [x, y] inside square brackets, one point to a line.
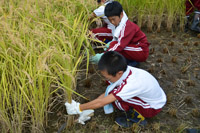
[136, 117]
[132, 63]
[131, 117]
[193, 130]
[123, 122]
[106, 40]
[196, 22]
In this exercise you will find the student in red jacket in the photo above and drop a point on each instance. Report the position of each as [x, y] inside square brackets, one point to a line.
[131, 42]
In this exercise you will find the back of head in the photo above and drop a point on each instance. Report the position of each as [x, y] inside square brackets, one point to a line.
[112, 62]
[98, 1]
[113, 9]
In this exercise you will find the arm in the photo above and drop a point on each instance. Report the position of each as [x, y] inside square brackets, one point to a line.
[126, 35]
[101, 96]
[99, 102]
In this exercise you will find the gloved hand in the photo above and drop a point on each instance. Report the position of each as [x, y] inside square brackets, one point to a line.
[95, 59]
[73, 108]
[85, 116]
[107, 46]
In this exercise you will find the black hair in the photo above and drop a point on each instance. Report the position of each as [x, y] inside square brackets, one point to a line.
[99, 1]
[113, 9]
[112, 62]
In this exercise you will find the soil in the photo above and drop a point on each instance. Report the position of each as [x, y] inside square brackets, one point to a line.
[174, 60]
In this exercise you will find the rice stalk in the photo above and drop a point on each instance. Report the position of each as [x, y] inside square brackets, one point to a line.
[41, 45]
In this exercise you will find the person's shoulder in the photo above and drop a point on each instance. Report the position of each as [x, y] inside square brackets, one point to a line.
[131, 24]
[138, 71]
[99, 11]
[101, 7]
[132, 27]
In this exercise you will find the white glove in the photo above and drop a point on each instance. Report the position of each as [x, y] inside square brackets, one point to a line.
[73, 108]
[85, 116]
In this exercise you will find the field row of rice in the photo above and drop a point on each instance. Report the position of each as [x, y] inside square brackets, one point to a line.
[154, 14]
[43, 43]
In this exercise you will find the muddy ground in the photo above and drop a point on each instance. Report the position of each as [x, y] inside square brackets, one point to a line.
[175, 62]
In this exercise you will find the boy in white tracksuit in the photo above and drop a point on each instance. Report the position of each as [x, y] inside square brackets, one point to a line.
[108, 31]
[131, 90]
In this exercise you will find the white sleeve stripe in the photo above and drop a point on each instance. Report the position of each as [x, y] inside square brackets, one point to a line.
[138, 101]
[103, 34]
[145, 107]
[119, 106]
[135, 103]
[116, 103]
[122, 35]
[141, 104]
[133, 49]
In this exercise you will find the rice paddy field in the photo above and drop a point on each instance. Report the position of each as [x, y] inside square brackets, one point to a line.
[45, 47]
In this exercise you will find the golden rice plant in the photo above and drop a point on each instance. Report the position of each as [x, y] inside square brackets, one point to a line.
[160, 14]
[150, 13]
[42, 43]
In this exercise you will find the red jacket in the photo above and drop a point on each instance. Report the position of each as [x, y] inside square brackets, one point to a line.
[130, 36]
